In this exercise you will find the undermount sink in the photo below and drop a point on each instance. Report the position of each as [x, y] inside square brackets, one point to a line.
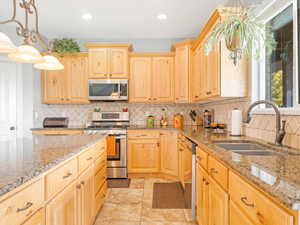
[246, 148]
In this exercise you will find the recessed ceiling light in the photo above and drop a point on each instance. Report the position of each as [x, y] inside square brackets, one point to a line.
[162, 16]
[87, 16]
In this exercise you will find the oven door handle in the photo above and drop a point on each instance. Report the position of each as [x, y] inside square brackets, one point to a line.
[119, 136]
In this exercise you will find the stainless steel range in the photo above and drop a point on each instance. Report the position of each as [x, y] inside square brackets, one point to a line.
[113, 124]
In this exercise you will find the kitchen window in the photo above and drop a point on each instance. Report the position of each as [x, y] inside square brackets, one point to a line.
[275, 76]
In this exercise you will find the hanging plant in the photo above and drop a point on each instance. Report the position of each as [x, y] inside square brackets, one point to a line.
[242, 35]
[65, 45]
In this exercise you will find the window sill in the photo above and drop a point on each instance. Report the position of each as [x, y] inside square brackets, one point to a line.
[283, 111]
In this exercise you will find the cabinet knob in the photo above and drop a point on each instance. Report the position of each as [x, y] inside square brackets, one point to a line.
[208, 93]
[82, 182]
[149, 98]
[78, 186]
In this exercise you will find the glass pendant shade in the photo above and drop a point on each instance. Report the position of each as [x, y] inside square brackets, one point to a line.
[50, 63]
[6, 45]
[26, 54]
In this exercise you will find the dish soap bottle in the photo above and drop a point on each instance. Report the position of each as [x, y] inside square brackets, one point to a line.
[164, 119]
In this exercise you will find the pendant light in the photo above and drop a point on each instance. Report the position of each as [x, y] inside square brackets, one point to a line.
[26, 54]
[6, 45]
[50, 63]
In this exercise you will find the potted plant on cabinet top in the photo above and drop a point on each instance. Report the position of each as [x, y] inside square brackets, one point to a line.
[65, 45]
[242, 34]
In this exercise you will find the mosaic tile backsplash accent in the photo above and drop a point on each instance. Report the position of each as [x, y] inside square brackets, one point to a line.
[261, 126]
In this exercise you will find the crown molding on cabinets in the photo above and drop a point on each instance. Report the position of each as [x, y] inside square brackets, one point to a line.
[108, 45]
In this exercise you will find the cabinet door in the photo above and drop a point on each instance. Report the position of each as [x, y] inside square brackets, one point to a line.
[237, 217]
[202, 195]
[140, 79]
[37, 219]
[98, 63]
[218, 205]
[53, 83]
[169, 153]
[213, 73]
[118, 63]
[63, 209]
[182, 71]
[163, 79]
[77, 83]
[196, 75]
[143, 156]
[87, 203]
[204, 74]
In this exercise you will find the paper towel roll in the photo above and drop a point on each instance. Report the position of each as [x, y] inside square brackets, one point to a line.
[236, 122]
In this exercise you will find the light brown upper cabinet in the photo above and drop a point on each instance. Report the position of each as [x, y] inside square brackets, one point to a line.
[183, 66]
[67, 86]
[151, 77]
[214, 75]
[108, 60]
[140, 79]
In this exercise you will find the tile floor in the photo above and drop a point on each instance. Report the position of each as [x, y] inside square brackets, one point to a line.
[133, 206]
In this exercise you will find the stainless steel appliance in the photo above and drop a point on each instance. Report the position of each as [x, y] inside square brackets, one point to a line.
[56, 122]
[108, 90]
[114, 124]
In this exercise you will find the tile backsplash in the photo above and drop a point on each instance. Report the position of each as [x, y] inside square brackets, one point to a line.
[261, 126]
[80, 114]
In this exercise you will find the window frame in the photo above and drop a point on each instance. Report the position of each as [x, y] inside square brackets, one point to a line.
[258, 68]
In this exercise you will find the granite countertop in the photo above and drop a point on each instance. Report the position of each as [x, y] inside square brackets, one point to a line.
[277, 174]
[24, 159]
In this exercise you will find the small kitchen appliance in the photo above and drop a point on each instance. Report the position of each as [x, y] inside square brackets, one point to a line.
[56, 122]
[108, 90]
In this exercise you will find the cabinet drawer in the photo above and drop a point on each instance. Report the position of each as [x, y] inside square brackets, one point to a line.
[218, 172]
[99, 200]
[21, 206]
[100, 163]
[202, 158]
[86, 159]
[144, 134]
[256, 205]
[60, 178]
[100, 178]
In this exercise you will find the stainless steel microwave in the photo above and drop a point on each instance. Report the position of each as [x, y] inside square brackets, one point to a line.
[108, 90]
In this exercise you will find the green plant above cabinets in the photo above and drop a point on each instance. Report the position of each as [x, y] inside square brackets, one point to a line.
[242, 33]
[65, 45]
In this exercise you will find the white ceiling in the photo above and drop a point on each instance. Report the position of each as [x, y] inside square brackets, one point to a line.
[120, 19]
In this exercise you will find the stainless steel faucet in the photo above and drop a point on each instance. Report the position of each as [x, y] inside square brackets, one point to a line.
[280, 129]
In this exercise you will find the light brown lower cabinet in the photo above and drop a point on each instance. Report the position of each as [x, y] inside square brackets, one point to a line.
[63, 209]
[202, 196]
[218, 204]
[37, 219]
[211, 199]
[143, 156]
[169, 153]
[87, 197]
[241, 204]
[237, 217]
